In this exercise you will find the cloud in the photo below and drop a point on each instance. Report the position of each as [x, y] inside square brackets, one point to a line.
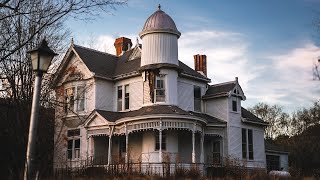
[227, 54]
[287, 80]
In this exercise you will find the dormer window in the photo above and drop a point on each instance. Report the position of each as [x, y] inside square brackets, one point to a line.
[159, 89]
[234, 104]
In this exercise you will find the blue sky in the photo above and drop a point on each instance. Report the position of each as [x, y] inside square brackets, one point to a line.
[270, 45]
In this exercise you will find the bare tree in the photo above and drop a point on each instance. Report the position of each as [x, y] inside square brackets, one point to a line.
[23, 24]
[279, 121]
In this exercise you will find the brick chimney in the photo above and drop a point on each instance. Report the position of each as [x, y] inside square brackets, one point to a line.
[200, 63]
[122, 44]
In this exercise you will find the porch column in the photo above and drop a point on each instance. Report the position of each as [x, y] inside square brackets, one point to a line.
[90, 147]
[193, 148]
[160, 145]
[201, 147]
[127, 148]
[109, 149]
[110, 145]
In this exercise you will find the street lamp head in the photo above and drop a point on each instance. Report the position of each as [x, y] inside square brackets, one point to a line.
[41, 57]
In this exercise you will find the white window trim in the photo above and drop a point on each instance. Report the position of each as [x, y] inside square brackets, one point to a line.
[163, 78]
[76, 102]
[74, 138]
[123, 98]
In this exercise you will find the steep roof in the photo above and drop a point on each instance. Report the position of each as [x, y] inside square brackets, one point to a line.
[111, 66]
[98, 62]
[218, 90]
[154, 110]
[251, 118]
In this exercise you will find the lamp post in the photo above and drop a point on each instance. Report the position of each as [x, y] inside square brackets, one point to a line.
[41, 58]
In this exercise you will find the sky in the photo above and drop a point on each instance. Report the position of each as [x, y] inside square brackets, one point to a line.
[270, 46]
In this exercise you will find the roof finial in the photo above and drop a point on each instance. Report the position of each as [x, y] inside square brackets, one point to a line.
[72, 43]
[159, 7]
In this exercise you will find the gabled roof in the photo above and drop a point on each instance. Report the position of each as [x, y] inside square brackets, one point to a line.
[110, 66]
[98, 62]
[218, 90]
[156, 110]
[248, 117]
[225, 89]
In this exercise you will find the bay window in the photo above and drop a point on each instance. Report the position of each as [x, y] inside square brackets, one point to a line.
[197, 98]
[119, 98]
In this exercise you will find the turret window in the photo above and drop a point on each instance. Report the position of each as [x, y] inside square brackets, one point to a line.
[160, 89]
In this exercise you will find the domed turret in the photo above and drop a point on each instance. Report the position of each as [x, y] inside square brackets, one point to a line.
[159, 39]
[159, 22]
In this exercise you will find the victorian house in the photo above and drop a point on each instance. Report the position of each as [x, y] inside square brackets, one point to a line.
[143, 105]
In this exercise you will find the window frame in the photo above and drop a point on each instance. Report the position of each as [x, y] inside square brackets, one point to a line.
[73, 99]
[160, 89]
[119, 99]
[75, 139]
[123, 102]
[248, 145]
[196, 99]
[126, 97]
[163, 143]
[234, 104]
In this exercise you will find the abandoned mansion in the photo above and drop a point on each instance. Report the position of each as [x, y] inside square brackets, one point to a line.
[144, 106]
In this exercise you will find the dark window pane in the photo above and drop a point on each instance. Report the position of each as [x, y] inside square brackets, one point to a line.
[73, 132]
[69, 154]
[70, 144]
[250, 136]
[244, 143]
[234, 105]
[77, 143]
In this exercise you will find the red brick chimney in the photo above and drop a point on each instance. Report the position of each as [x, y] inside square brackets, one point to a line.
[200, 63]
[122, 44]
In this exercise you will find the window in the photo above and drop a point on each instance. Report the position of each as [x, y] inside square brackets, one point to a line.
[73, 149]
[216, 152]
[123, 95]
[163, 143]
[160, 89]
[119, 98]
[126, 97]
[273, 162]
[197, 98]
[250, 144]
[247, 144]
[122, 144]
[234, 104]
[74, 99]
[244, 143]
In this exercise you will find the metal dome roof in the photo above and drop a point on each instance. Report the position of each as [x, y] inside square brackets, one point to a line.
[159, 21]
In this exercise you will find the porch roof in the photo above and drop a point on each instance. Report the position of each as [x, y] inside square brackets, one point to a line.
[156, 110]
